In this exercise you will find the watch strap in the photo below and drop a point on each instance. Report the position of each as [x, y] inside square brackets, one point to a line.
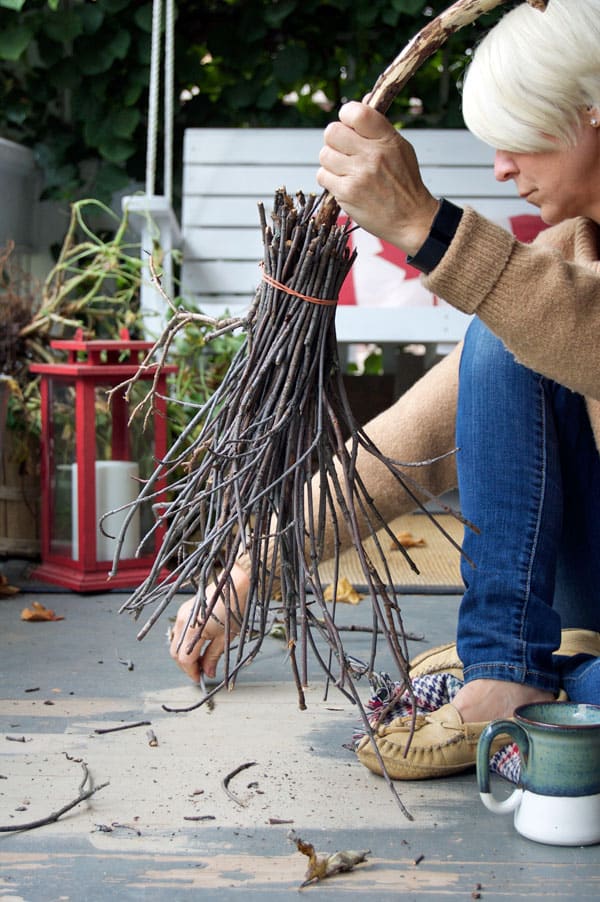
[443, 230]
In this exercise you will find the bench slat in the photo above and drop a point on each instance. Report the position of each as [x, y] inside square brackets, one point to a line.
[262, 181]
[237, 214]
[232, 146]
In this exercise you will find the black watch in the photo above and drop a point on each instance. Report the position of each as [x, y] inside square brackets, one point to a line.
[443, 230]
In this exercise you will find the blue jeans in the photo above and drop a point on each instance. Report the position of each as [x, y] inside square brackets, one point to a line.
[529, 479]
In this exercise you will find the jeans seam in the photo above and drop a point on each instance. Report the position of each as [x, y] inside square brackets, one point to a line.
[543, 471]
[500, 670]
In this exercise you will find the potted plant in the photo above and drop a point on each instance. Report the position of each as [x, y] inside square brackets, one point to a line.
[94, 285]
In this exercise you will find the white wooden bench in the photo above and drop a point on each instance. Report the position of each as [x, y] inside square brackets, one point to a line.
[227, 171]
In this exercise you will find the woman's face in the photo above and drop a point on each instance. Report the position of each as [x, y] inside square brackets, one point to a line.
[562, 183]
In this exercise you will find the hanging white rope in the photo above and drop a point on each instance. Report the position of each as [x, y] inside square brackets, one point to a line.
[152, 134]
[169, 88]
[159, 226]
[153, 98]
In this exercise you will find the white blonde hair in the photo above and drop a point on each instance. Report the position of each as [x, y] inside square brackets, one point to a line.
[533, 75]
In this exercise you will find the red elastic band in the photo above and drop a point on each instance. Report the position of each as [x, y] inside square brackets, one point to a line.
[304, 297]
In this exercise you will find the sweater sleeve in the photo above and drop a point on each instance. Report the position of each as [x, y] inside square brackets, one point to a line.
[544, 307]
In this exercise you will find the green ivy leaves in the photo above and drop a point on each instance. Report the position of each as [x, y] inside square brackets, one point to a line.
[74, 74]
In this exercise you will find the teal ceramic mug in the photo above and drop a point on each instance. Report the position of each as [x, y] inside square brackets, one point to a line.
[558, 801]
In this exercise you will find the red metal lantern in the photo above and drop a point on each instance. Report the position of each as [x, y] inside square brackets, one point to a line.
[93, 459]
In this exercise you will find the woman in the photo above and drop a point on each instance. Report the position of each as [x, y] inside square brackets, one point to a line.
[527, 408]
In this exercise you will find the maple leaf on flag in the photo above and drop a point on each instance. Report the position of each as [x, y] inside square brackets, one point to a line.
[396, 257]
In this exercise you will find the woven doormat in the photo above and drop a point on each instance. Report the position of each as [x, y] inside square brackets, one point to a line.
[437, 559]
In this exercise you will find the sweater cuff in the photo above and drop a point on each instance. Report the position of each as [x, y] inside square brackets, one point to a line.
[473, 263]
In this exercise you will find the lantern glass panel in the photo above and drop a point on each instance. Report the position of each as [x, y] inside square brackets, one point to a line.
[62, 458]
[123, 456]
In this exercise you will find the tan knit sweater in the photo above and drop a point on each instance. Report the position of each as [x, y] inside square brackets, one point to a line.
[542, 300]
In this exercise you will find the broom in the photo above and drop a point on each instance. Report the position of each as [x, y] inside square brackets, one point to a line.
[241, 472]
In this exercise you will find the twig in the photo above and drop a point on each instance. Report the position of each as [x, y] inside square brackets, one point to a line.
[209, 699]
[52, 818]
[356, 628]
[128, 663]
[226, 780]
[125, 726]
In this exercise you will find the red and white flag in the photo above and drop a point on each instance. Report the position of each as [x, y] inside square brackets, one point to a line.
[381, 277]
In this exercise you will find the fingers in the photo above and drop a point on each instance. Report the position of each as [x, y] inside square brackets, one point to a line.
[212, 654]
[357, 123]
[374, 175]
[355, 150]
[365, 121]
[198, 652]
[179, 647]
[203, 657]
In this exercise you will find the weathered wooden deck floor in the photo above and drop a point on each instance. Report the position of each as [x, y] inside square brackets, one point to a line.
[141, 837]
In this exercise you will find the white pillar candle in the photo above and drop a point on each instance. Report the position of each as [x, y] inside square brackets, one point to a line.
[116, 485]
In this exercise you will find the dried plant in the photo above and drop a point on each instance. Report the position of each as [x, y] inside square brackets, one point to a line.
[94, 285]
[17, 306]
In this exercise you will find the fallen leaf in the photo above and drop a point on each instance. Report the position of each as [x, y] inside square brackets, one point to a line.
[346, 592]
[5, 587]
[407, 540]
[323, 865]
[37, 612]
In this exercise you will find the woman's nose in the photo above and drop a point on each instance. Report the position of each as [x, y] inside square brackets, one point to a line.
[505, 167]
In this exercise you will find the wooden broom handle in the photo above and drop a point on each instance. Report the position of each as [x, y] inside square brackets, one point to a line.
[425, 43]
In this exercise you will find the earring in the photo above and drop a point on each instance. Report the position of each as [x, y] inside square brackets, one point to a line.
[594, 117]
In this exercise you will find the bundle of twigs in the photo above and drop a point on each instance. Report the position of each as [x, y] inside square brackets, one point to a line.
[274, 427]
[279, 417]
[278, 421]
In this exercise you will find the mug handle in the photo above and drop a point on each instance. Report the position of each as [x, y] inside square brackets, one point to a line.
[516, 732]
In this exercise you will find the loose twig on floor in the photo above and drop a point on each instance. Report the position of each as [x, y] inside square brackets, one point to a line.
[52, 818]
[227, 779]
[124, 726]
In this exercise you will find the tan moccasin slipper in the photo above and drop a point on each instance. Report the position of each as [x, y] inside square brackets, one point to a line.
[442, 745]
[577, 642]
[445, 659]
